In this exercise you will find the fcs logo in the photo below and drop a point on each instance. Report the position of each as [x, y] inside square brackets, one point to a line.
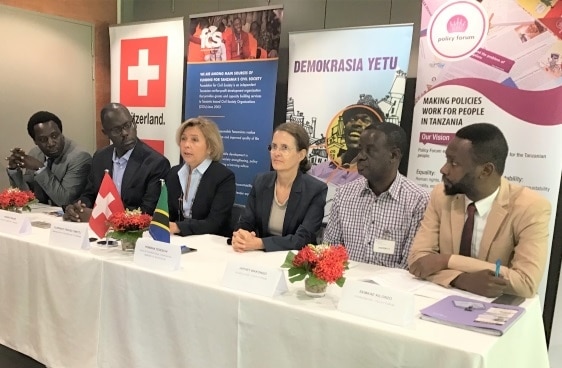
[210, 38]
[143, 72]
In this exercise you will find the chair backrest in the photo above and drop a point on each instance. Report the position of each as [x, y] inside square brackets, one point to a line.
[237, 210]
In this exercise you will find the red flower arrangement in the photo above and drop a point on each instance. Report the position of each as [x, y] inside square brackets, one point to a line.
[129, 220]
[12, 199]
[128, 225]
[323, 264]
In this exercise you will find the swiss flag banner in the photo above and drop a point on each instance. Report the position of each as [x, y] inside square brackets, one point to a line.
[108, 202]
[143, 72]
[147, 66]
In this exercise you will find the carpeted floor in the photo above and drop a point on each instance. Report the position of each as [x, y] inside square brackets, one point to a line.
[12, 359]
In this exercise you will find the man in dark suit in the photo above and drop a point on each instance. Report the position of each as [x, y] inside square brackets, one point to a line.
[135, 168]
[56, 169]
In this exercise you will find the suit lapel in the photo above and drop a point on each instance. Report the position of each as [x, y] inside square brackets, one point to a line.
[57, 162]
[495, 219]
[267, 201]
[133, 165]
[203, 184]
[40, 194]
[294, 201]
[457, 222]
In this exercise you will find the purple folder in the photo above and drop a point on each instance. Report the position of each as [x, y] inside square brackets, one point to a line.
[499, 317]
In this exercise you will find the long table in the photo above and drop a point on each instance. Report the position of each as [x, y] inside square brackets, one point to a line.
[96, 308]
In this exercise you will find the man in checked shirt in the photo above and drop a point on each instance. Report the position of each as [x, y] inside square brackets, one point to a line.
[377, 215]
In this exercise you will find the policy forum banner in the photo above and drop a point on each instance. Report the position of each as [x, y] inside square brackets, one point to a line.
[147, 77]
[231, 78]
[341, 81]
[495, 61]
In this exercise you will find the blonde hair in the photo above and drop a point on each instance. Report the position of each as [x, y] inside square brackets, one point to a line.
[210, 132]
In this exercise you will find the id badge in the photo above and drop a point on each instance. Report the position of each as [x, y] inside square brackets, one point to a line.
[384, 246]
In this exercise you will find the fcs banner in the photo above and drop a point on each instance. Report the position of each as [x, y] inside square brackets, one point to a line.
[231, 79]
[147, 77]
[495, 61]
[340, 81]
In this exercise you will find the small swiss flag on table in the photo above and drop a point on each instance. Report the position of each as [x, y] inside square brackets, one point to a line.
[107, 203]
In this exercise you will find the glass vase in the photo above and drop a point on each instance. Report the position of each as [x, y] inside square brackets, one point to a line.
[14, 209]
[129, 242]
[316, 288]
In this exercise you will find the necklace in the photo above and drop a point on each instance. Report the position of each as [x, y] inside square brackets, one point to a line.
[280, 204]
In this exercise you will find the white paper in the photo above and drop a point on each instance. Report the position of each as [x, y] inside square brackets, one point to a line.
[434, 291]
[397, 279]
[69, 235]
[378, 303]
[157, 255]
[254, 279]
[14, 223]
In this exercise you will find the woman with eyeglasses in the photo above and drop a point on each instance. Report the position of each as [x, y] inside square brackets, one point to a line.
[285, 206]
[201, 190]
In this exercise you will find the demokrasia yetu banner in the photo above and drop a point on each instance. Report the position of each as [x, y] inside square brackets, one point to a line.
[146, 76]
[496, 62]
[231, 78]
[341, 81]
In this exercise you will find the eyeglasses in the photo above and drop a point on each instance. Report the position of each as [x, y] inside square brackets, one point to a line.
[117, 130]
[282, 148]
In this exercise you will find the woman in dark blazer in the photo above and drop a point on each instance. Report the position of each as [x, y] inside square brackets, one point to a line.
[201, 190]
[286, 206]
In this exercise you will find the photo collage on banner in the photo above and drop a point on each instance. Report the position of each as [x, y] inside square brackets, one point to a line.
[146, 77]
[341, 81]
[231, 79]
[494, 61]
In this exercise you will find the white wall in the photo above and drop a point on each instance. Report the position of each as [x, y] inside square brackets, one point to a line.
[46, 64]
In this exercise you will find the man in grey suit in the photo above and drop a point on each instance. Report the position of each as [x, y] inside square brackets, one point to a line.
[56, 169]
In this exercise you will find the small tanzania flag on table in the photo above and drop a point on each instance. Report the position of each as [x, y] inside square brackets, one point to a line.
[159, 227]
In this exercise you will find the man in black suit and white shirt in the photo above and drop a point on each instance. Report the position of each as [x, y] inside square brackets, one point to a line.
[135, 168]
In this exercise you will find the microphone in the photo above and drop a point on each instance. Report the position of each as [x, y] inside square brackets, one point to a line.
[180, 208]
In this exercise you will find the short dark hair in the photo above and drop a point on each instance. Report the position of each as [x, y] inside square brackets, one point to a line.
[488, 144]
[109, 108]
[41, 117]
[301, 138]
[395, 136]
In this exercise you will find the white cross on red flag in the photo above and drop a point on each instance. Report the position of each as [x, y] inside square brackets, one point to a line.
[108, 202]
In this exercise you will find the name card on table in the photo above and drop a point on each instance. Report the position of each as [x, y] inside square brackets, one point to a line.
[254, 279]
[69, 235]
[157, 255]
[14, 223]
[376, 302]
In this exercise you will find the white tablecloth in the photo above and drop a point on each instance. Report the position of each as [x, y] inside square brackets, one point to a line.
[49, 300]
[96, 308]
[186, 319]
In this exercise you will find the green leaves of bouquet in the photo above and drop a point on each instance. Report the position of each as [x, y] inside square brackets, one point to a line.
[321, 263]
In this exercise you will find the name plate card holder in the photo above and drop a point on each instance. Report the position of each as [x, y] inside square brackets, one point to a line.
[69, 235]
[254, 279]
[377, 303]
[157, 255]
[14, 223]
